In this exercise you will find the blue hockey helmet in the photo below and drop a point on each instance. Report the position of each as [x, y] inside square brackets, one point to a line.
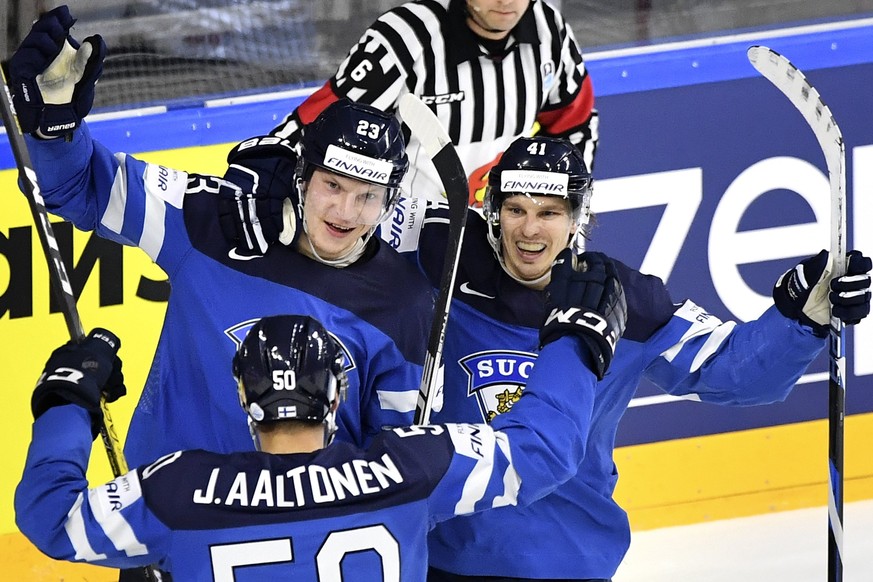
[539, 166]
[361, 142]
[289, 368]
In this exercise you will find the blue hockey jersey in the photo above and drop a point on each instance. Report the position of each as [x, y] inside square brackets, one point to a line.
[190, 398]
[579, 531]
[341, 513]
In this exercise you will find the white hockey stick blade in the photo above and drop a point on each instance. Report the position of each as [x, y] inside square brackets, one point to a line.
[420, 120]
[806, 99]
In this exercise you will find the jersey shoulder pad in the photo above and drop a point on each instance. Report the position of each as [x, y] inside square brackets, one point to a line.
[649, 306]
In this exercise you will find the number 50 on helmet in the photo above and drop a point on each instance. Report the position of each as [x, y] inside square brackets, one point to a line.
[289, 368]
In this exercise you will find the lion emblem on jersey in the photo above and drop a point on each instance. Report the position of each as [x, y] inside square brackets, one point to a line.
[497, 379]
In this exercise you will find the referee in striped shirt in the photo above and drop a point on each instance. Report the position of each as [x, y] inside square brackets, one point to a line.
[492, 70]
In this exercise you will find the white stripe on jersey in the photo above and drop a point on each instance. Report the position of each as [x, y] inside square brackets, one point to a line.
[402, 401]
[113, 217]
[153, 230]
[511, 480]
[712, 344]
[701, 323]
[106, 503]
[484, 102]
[476, 442]
[75, 528]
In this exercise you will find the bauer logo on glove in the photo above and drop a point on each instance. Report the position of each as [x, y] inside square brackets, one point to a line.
[52, 76]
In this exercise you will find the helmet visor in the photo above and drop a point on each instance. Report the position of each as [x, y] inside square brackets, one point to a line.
[353, 189]
[348, 201]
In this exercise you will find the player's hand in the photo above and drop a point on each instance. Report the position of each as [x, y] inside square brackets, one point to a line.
[52, 77]
[585, 298]
[806, 292]
[258, 203]
[80, 373]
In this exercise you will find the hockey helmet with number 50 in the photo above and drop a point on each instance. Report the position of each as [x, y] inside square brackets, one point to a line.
[289, 368]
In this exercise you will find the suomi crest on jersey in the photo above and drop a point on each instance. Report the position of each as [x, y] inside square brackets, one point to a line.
[497, 379]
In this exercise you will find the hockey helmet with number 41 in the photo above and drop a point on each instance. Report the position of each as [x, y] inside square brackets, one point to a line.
[539, 166]
[289, 368]
[360, 142]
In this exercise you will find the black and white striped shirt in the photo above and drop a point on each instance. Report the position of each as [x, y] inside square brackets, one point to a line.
[536, 83]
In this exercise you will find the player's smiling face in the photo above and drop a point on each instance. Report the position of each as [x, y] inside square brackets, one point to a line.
[338, 211]
[534, 229]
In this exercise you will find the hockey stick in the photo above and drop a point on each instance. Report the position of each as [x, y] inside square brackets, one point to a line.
[427, 128]
[59, 281]
[792, 82]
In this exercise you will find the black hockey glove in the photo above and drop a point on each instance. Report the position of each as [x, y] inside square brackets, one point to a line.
[52, 77]
[585, 298]
[807, 291]
[253, 210]
[79, 373]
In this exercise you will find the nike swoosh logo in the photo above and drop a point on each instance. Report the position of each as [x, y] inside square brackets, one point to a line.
[238, 257]
[465, 288]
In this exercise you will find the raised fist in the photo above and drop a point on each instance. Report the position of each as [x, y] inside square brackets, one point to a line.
[52, 77]
[586, 299]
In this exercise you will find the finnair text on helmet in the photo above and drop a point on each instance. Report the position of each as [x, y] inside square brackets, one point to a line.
[357, 170]
[534, 182]
[357, 165]
[543, 187]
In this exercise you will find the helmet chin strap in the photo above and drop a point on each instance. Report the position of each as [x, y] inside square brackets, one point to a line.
[253, 431]
[350, 257]
[329, 427]
[526, 282]
[577, 242]
[289, 219]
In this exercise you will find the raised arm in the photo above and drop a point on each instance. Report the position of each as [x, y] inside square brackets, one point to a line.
[54, 508]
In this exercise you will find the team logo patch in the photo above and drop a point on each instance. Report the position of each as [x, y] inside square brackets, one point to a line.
[238, 332]
[497, 379]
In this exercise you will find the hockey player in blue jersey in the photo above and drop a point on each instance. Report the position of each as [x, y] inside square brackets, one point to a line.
[537, 206]
[298, 508]
[346, 181]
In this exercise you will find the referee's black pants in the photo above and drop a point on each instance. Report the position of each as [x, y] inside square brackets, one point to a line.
[434, 575]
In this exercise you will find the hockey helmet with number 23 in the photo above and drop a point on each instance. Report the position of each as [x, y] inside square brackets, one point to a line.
[539, 166]
[289, 368]
[361, 142]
